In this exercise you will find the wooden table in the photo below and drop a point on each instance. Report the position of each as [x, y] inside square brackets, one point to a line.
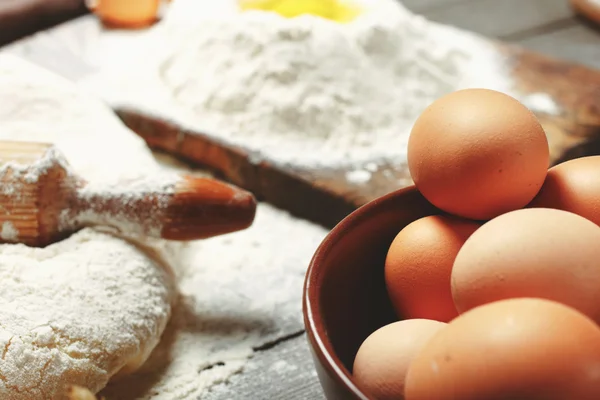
[20, 18]
[547, 26]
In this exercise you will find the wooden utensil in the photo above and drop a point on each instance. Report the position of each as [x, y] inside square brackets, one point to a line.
[589, 9]
[42, 201]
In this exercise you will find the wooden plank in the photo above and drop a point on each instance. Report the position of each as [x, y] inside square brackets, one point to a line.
[283, 372]
[579, 43]
[501, 18]
[19, 18]
[425, 5]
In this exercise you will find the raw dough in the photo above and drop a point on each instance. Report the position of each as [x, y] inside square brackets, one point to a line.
[77, 312]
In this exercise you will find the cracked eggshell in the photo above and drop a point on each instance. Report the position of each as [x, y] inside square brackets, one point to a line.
[513, 349]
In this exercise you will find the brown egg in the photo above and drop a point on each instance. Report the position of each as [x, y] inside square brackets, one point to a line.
[129, 14]
[382, 361]
[573, 186]
[478, 153]
[518, 349]
[536, 252]
[419, 263]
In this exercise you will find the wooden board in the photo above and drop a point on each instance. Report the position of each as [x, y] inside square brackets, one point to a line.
[19, 18]
[327, 195]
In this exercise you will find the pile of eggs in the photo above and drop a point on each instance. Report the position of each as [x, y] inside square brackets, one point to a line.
[499, 295]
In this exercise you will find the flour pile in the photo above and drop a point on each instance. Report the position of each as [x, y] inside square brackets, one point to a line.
[235, 292]
[336, 91]
[306, 91]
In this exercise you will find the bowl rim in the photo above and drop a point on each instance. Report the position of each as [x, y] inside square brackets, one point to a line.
[315, 327]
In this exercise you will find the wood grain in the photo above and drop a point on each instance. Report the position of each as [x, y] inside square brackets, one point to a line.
[284, 372]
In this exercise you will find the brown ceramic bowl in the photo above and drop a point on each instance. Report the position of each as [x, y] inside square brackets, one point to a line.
[345, 299]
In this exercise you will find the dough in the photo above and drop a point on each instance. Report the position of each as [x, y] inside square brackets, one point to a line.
[77, 312]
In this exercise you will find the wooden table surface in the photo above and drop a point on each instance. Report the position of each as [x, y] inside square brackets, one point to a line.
[20, 18]
[283, 370]
[547, 26]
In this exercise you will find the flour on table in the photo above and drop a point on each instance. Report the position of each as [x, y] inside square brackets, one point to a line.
[236, 292]
[77, 312]
[305, 91]
[9, 231]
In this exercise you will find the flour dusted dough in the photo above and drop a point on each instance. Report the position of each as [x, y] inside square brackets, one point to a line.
[76, 312]
[93, 305]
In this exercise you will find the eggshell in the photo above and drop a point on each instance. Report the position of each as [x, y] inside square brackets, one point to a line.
[538, 252]
[382, 361]
[478, 153]
[419, 263]
[573, 186]
[518, 349]
[130, 13]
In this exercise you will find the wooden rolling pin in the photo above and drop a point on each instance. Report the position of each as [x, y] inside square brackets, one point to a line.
[42, 201]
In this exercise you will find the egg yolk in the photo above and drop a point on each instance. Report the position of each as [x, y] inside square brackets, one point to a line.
[336, 10]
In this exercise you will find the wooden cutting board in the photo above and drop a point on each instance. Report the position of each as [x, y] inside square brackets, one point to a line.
[327, 195]
[19, 18]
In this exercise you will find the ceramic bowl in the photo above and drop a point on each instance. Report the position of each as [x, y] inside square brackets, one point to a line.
[345, 299]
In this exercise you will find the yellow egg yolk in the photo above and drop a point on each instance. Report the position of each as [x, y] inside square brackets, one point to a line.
[335, 10]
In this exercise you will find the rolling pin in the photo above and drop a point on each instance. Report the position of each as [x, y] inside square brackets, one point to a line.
[42, 200]
[589, 9]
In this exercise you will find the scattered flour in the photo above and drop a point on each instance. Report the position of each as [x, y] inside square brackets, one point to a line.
[133, 207]
[31, 170]
[305, 91]
[16, 175]
[358, 176]
[236, 292]
[9, 232]
[542, 102]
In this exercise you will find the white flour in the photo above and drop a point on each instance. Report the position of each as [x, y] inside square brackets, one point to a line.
[338, 92]
[305, 91]
[9, 232]
[236, 292]
[77, 312]
[134, 207]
